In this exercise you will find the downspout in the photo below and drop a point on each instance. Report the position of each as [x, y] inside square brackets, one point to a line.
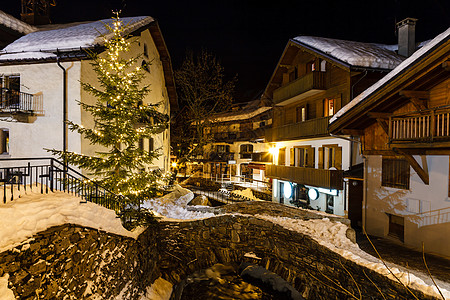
[64, 110]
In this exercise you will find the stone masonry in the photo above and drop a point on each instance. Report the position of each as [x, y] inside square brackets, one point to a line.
[72, 262]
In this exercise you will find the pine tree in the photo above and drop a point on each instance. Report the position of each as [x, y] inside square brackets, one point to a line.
[122, 120]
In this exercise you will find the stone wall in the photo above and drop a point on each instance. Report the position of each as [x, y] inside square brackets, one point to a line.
[78, 262]
[312, 269]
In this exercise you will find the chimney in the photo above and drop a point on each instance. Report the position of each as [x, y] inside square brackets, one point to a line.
[406, 31]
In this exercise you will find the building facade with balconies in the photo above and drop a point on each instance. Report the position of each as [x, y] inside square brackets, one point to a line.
[45, 68]
[404, 124]
[237, 148]
[314, 78]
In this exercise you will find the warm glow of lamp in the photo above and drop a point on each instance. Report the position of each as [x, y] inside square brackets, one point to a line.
[273, 150]
[174, 165]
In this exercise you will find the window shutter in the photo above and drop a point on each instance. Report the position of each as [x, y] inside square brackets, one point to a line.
[338, 158]
[311, 155]
[320, 158]
[292, 157]
[319, 109]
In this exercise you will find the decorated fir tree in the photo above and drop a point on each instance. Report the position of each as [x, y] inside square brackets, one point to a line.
[122, 121]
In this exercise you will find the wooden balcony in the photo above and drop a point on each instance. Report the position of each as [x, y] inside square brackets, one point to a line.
[302, 87]
[418, 128]
[307, 129]
[330, 179]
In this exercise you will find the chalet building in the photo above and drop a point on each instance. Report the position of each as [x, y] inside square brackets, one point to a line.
[404, 124]
[314, 78]
[40, 80]
[238, 147]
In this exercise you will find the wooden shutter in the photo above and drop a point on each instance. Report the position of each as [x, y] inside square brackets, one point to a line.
[319, 109]
[338, 158]
[292, 156]
[320, 158]
[311, 154]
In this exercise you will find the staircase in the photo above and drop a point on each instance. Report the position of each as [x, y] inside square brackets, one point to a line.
[47, 175]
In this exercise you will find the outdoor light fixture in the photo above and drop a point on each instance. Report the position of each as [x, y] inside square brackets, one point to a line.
[313, 194]
[174, 165]
[287, 190]
[273, 150]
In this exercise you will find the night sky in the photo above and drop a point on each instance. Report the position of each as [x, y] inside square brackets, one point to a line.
[249, 36]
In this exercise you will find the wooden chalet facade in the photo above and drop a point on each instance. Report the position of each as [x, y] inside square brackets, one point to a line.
[404, 124]
[314, 78]
[237, 146]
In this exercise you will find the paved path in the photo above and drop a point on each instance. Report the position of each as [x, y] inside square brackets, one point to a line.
[397, 253]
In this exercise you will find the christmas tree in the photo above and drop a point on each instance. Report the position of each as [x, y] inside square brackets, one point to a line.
[122, 121]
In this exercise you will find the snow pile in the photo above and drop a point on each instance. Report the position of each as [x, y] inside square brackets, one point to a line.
[360, 54]
[26, 55]
[333, 236]
[174, 205]
[5, 292]
[34, 212]
[15, 24]
[247, 193]
[161, 289]
[72, 36]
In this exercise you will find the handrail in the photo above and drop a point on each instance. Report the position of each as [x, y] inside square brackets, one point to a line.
[13, 100]
[54, 175]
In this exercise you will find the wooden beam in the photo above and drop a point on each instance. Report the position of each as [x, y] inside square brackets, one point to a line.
[384, 125]
[446, 65]
[353, 131]
[379, 115]
[415, 165]
[415, 94]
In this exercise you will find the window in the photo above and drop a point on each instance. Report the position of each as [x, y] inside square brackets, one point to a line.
[4, 141]
[223, 148]
[330, 156]
[395, 173]
[145, 50]
[329, 107]
[304, 156]
[151, 144]
[301, 113]
[141, 143]
[10, 90]
[397, 227]
[246, 151]
[323, 65]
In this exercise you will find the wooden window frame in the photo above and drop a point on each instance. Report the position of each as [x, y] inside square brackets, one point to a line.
[308, 156]
[299, 113]
[336, 161]
[395, 173]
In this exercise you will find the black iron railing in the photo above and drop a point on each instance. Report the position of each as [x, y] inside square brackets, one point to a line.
[49, 174]
[15, 101]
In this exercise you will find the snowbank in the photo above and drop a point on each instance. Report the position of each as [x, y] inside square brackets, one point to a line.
[161, 289]
[5, 293]
[34, 212]
[333, 236]
[174, 205]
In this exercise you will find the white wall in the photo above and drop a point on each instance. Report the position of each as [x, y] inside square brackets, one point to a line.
[407, 203]
[46, 130]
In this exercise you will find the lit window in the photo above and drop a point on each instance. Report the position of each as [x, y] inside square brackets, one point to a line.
[145, 50]
[329, 107]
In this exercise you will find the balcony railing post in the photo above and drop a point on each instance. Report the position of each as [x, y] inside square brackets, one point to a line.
[433, 125]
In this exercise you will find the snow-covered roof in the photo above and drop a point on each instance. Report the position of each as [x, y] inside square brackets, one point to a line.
[356, 54]
[240, 115]
[53, 38]
[15, 24]
[418, 55]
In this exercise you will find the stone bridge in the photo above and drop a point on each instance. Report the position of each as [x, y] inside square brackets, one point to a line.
[78, 262]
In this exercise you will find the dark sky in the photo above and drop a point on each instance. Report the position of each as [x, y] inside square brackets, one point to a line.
[249, 36]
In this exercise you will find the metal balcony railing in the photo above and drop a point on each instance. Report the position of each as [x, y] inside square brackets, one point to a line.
[330, 179]
[49, 174]
[12, 101]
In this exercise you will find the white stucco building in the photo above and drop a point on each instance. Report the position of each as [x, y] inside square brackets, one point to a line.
[32, 72]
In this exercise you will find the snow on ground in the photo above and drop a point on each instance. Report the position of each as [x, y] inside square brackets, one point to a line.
[333, 236]
[34, 212]
[174, 205]
[161, 289]
[5, 292]
[246, 193]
